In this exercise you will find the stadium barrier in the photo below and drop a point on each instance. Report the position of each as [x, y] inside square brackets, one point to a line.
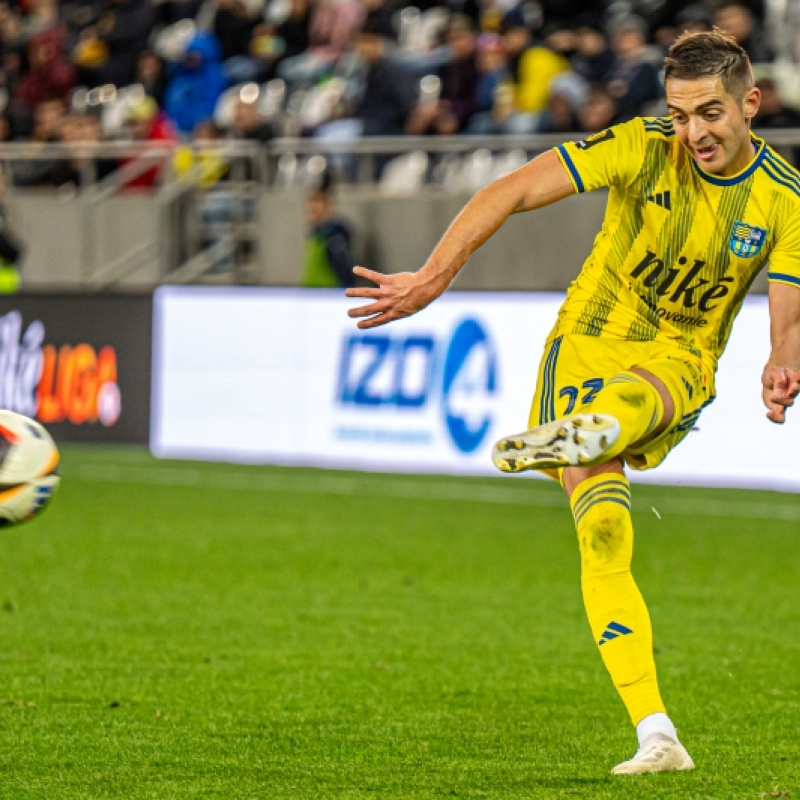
[284, 376]
[107, 235]
[80, 364]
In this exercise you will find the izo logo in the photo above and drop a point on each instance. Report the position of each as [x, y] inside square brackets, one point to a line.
[419, 372]
[71, 383]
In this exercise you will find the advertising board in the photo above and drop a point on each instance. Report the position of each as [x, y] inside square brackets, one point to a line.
[284, 376]
[80, 364]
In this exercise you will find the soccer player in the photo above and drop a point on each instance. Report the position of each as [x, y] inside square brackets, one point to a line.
[697, 206]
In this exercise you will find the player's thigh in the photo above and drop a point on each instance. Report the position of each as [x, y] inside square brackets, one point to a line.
[691, 385]
[572, 372]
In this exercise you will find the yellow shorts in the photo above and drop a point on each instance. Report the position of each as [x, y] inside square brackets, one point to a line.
[575, 368]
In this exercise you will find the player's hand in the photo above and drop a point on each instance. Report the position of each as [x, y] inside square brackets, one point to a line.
[395, 296]
[780, 387]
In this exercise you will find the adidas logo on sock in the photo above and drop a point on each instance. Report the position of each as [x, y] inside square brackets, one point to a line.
[612, 631]
[660, 199]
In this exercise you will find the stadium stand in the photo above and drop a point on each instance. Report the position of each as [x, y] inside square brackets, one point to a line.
[135, 95]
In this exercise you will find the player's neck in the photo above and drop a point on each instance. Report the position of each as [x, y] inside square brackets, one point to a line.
[742, 159]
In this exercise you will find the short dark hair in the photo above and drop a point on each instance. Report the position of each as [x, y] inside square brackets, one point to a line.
[710, 54]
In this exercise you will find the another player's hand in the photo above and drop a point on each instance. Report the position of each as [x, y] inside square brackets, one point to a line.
[781, 386]
[396, 296]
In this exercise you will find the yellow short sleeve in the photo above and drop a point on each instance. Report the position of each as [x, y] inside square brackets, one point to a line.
[612, 157]
[784, 261]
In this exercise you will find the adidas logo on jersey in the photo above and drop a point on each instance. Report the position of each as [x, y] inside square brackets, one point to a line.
[613, 631]
[660, 199]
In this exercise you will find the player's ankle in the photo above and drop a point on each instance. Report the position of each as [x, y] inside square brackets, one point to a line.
[658, 724]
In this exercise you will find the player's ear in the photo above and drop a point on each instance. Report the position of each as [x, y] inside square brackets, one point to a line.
[750, 102]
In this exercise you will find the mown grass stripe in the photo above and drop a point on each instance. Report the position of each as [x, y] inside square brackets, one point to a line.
[523, 493]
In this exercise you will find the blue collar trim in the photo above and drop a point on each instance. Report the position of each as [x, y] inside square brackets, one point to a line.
[761, 151]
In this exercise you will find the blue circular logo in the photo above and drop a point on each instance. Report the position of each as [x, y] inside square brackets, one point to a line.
[470, 380]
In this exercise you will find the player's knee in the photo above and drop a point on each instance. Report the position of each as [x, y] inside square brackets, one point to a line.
[631, 389]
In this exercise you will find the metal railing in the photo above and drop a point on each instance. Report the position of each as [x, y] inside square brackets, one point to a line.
[188, 243]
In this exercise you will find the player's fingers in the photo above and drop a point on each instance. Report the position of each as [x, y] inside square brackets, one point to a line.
[370, 275]
[783, 399]
[376, 321]
[368, 310]
[777, 415]
[776, 382]
[368, 292]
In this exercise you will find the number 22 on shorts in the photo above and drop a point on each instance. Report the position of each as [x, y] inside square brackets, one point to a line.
[592, 386]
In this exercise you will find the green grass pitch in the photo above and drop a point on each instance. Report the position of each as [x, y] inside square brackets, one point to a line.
[182, 630]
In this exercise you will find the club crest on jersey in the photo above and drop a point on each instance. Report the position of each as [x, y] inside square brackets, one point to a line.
[747, 240]
[595, 138]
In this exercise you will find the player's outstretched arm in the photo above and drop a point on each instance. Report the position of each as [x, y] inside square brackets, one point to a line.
[781, 376]
[539, 183]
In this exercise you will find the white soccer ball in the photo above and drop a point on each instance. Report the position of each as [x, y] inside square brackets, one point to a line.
[28, 468]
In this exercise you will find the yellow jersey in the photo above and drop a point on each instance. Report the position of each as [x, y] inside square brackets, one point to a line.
[679, 247]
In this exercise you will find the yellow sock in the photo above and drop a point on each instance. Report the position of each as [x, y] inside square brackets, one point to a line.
[617, 613]
[636, 404]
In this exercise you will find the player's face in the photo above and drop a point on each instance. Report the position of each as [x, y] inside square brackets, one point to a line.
[713, 125]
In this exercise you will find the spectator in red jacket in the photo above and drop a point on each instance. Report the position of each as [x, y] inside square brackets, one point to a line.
[146, 123]
[51, 76]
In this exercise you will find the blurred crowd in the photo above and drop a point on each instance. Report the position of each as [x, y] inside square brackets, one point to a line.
[168, 71]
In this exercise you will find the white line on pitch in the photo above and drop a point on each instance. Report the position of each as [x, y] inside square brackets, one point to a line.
[441, 489]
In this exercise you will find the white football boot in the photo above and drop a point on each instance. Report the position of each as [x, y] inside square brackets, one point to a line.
[657, 754]
[576, 441]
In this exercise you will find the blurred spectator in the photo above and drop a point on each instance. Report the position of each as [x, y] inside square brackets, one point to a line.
[385, 104]
[170, 11]
[738, 20]
[593, 58]
[48, 124]
[203, 165]
[47, 120]
[233, 27]
[50, 74]
[13, 48]
[80, 130]
[773, 113]
[332, 24]
[269, 45]
[599, 111]
[380, 17]
[568, 95]
[195, 83]
[249, 124]
[493, 102]
[694, 18]
[107, 52]
[328, 262]
[146, 123]
[390, 89]
[11, 249]
[632, 81]
[459, 76]
[209, 165]
[563, 13]
[151, 74]
[73, 168]
[493, 69]
[42, 16]
[533, 67]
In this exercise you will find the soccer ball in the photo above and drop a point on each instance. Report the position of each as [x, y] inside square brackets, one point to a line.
[28, 468]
